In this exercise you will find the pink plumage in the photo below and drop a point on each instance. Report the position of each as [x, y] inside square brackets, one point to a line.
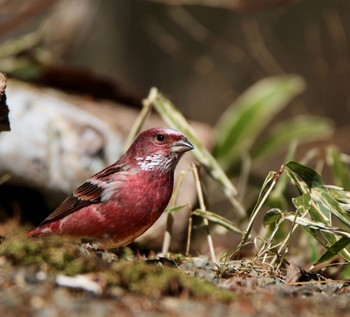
[118, 204]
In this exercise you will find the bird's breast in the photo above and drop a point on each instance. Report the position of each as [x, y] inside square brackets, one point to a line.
[134, 208]
[147, 191]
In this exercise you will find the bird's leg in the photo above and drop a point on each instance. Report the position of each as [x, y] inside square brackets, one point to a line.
[87, 247]
[106, 255]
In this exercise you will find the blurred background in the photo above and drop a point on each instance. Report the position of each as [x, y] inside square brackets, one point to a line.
[202, 55]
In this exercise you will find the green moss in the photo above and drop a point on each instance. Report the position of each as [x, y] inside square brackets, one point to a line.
[55, 255]
[48, 254]
[155, 281]
[176, 257]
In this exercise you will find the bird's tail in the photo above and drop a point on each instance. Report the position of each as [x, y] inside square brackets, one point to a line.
[41, 230]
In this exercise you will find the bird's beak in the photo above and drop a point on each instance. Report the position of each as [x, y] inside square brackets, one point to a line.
[181, 146]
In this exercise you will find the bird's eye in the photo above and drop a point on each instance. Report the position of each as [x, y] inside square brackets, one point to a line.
[160, 137]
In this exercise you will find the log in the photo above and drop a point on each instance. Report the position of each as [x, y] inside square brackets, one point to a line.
[4, 110]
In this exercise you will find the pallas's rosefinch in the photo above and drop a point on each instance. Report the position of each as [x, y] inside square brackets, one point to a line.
[118, 204]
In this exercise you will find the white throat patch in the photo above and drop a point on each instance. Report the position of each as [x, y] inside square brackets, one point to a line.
[156, 161]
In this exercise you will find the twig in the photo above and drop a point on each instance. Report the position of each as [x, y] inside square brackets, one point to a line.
[277, 192]
[189, 234]
[244, 175]
[286, 240]
[203, 207]
[140, 120]
[167, 234]
[170, 217]
[261, 200]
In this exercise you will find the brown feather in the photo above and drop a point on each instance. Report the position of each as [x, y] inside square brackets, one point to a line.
[85, 195]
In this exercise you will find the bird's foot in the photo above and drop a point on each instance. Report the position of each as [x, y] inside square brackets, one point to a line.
[88, 248]
[107, 256]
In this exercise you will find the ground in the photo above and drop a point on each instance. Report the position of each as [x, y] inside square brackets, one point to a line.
[51, 277]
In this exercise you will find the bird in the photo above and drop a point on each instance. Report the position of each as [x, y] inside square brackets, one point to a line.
[116, 205]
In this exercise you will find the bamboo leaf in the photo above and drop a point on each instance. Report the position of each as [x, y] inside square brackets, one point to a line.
[328, 231]
[316, 225]
[176, 208]
[217, 219]
[302, 203]
[333, 250]
[308, 175]
[272, 216]
[340, 170]
[340, 195]
[328, 204]
[304, 128]
[245, 119]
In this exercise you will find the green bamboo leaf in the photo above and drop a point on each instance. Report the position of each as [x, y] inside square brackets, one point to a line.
[176, 208]
[316, 225]
[320, 215]
[340, 171]
[313, 226]
[318, 202]
[217, 219]
[340, 195]
[321, 206]
[272, 216]
[246, 118]
[300, 185]
[302, 203]
[334, 250]
[329, 205]
[303, 128]
[308, 175]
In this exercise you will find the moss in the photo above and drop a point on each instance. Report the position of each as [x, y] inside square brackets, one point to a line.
[49, 254]
[176, 257]
[55, 255]
[155, 281]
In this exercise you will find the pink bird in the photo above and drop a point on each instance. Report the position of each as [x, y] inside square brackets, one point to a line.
[118, 204]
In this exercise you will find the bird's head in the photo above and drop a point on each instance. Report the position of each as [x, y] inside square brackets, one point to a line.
[159, 148]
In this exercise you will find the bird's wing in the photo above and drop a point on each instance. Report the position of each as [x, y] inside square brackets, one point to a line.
[108, 171]
[86, 194]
